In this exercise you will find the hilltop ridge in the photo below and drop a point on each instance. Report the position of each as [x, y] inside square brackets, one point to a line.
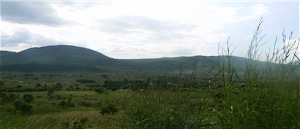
[62, 58]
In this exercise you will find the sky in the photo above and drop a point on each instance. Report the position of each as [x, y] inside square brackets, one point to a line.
[135, 29]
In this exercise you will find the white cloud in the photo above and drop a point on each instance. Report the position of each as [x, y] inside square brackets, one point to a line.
[140, 28]
[22, 37]
[39, 13]
[18, 37]
[260, 9]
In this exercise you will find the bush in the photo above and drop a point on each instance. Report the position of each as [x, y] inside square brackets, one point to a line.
[100, 90]
[156, 116]
[50, 91]
[109, 109]
[23, 108]
[66, 104]
[86, 103]
[80, 123]
[38, 85]
[28, 98]
[1, 83]
[6, 98]
[85, 81]
[63, 104]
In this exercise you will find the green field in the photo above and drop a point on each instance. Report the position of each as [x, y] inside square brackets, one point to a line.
[180, 102]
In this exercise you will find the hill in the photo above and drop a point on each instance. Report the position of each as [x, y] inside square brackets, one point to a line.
[61, 54]
[64, 58]
[54, 58]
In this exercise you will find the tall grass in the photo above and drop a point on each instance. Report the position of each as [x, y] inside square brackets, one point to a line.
[267, 95]
[264, 95]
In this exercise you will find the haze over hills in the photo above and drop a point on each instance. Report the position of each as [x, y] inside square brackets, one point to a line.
[64, 58]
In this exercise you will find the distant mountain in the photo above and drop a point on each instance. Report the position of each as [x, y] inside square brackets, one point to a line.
[62, 54]
[63, 58]
[54, 58]
[6, 56]
[7, 53]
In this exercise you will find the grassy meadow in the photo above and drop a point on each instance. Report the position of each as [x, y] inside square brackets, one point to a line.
[190, 102]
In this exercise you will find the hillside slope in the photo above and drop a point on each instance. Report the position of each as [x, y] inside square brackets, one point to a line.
[54, 58]
[63, 58]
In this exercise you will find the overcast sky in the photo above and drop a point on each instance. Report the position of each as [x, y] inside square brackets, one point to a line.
[128, 29]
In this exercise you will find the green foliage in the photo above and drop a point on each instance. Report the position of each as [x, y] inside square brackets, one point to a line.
[19, 86]
[66, 104]
[54, 88]
[1, 83]
[125, 84]
[38, 85]
[50, 91]
[85, 103]
[109, 109]
[85, 81]
[79, 123]
[8, 97]
[70, 101]
[57, 87]
[100, 90]
[63, 104]
[267, 98]
[28, 75]
[114, 85]
[23, 108]
[166, 109]
[28, 98]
